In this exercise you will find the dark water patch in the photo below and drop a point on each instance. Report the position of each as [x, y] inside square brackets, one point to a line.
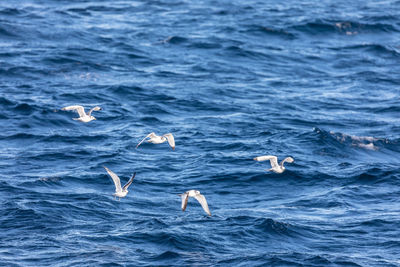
[379, 223]
[8, 55]
[78, 97]
[389, 18]
[374, 176]
[137, 56]
[24, 109]
[20, 136]
[75, 62]
[11, 11]
[279, 259]
[371, 48]
[21, 218]
[141, 94]
[349, 28]
[127, 91]
[196, 104]
[174, 40]
[205, 45]
[154, 223]
[6, 102]
[110, 8]
[168, 255]
[385, 109]
[236, 51]
[271, 226]
[80, 11]
[72, 138]
[23, 72]
[270, 32]
[150, 119]
[7, 31]
[323, 202]
[314, 27]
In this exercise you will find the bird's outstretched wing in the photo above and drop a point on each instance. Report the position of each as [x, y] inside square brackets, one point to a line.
[272, 159]
[184, 197]
[147, 136]
[79, 109]
[129, 182]
[97, 108]
[115, 179]
[171, 139]
[202, 200]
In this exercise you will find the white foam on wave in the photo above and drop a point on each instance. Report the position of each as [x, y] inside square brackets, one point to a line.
[366, 142]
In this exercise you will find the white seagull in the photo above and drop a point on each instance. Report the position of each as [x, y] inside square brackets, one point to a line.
[155, 139]
[83, 117]
[119, 192]
[200, 198]
[278, 168]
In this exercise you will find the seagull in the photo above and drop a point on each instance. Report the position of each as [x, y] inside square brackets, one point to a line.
[83, 117]
[155, 139]
[278, 168]
[200, 198]
[119, 192]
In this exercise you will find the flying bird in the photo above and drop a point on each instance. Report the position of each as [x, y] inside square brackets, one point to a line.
[119, 192]
[278, 168]
[155, 139]
[83, 117]
[200, 198]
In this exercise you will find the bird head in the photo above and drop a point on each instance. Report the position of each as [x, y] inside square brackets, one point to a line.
[290, 160]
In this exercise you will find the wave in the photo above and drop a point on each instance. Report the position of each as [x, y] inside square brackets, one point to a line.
[27, 72]
[205, 45]
[237, 51]
[320, 26]
[174, 40]
[257, 226]
[374, 48]
[7, 32]
[270, 32]
[286, 258]
[11, 11]
[340, 140]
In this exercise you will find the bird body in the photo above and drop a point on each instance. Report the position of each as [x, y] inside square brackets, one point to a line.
[199, 197]
[277, 168]
[156, 139]
[83, 117]
[119, 191]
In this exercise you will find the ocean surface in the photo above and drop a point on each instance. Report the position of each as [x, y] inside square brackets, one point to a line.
[315, 80]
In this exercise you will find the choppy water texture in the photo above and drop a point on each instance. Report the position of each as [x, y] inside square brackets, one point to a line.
[315, 80]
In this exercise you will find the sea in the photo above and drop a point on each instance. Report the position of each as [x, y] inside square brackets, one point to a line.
[318, 81]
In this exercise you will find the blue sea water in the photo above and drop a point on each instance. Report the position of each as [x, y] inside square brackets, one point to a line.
[315, 80]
